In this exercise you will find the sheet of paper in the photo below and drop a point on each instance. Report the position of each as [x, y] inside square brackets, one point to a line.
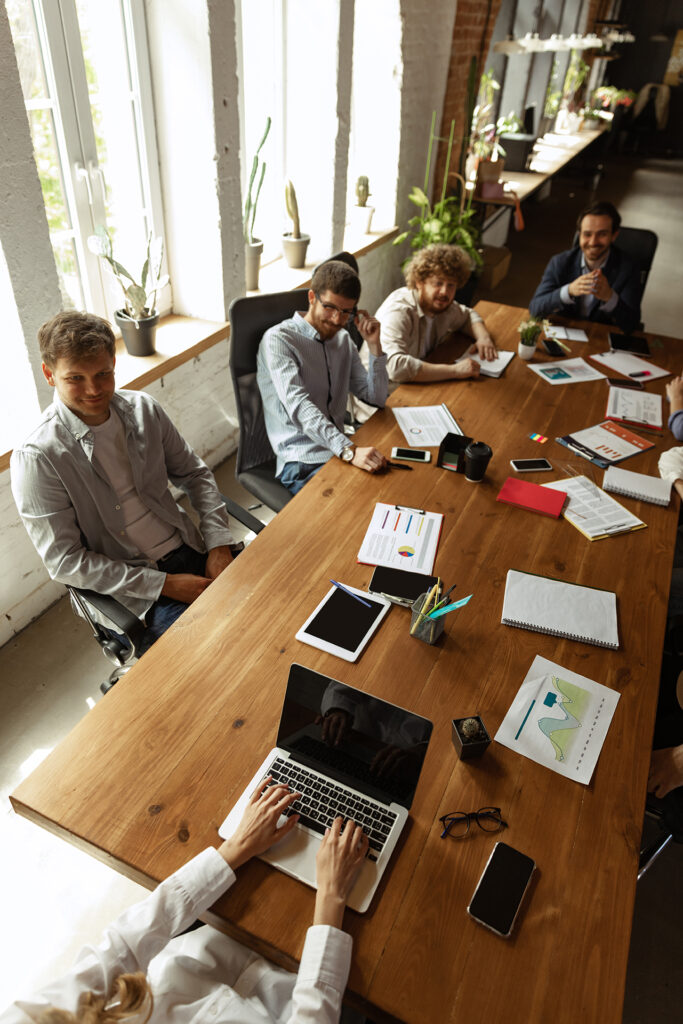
[635, 407]
[559, 719]
[492, 367]
[566, 333]
[401, 538]
[630, 365]
[592, 511]
[425, 426]
[566, 371]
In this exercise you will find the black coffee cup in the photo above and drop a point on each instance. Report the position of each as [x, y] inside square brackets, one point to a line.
[477, 457]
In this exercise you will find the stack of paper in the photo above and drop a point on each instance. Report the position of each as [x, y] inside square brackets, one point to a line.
[593, 512]
[568, 371]
[630, 365]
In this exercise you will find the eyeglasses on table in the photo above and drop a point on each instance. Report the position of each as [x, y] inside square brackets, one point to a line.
[457, 824]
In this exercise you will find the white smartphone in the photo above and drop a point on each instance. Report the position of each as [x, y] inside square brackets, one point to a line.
[530, 465]
[501, 889]
[411, 454]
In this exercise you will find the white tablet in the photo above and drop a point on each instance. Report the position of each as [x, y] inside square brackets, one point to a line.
[343, 625]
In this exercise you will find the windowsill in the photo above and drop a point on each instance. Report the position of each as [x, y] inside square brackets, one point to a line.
[180, 338]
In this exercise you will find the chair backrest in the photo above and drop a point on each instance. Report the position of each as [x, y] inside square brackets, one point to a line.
[249, 318]
[640, 244]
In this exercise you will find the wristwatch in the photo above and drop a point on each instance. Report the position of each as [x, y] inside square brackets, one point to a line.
[348, 453]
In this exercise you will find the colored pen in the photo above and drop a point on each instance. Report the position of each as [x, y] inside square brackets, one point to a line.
[399, 465]
[562, 345]
[443, 599]
[437, 613]
[351, 593]
[643, 373]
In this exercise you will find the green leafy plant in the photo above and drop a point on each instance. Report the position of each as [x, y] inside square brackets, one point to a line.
[140, 299]
[250, 205]
[553, 95]
[292, 209]
[452, 219]
[484, 131]
[574, 79]
[529, 330]
[608, 97]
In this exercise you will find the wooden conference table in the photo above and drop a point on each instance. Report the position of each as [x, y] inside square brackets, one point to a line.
[144, 781]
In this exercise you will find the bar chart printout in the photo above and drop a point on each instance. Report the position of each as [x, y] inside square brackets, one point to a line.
[402, 538]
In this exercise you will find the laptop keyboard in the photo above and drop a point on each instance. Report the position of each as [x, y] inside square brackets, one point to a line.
[321, 801]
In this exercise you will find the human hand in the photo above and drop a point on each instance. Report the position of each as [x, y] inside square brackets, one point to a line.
[583, 285]
[666, 771]
[217, 560]
[335, 724]
[369, 459]
[338, 862]
[602, 289]
[485, 347]
[258, 829]
[674, 392]
[184, 586]
[465, 368]
[369, 328]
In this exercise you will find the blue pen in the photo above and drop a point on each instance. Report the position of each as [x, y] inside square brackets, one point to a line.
[351, 593]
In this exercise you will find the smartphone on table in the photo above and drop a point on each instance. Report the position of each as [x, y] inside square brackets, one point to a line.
[625, 382]
[530, 465]
[553, 349]
[501, 888]
[411, 454]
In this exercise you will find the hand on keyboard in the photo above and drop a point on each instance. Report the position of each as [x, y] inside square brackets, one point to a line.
[259, 827]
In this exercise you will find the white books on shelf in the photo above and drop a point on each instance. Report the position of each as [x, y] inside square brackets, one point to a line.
[637, 485]
[568, 610]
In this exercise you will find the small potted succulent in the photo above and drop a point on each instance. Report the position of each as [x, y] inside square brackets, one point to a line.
[294, 244]
[361, 213]
[253, 247]
[137, 319]
[469, 737]
[529, 333]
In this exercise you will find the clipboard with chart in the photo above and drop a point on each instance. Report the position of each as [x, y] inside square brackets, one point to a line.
[400, 537]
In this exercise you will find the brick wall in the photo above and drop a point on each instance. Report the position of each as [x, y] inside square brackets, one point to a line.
[474, 23]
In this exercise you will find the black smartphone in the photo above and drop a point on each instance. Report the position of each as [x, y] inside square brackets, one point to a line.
[501, 889]
[625, 382]
[400, 585]
[530, 465]
[627, 343]
[552, 348]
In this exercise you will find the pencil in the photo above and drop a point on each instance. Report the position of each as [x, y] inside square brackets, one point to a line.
[425, 606]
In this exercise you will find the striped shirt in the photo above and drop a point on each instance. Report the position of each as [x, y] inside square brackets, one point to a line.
[304, 384]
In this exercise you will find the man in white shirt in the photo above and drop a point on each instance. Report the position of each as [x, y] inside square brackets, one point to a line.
[417, 319]
[91, 484]
[204, 975]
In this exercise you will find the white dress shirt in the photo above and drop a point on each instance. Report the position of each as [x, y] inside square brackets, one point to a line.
[204, 975]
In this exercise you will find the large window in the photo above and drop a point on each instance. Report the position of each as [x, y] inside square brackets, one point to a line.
[84, 73]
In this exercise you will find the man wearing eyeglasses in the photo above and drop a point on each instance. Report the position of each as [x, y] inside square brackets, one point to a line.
[306, 367]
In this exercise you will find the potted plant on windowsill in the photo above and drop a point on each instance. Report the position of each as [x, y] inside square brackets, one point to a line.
[361, 213]
[253, 247]
[294, 244]
[138, 318]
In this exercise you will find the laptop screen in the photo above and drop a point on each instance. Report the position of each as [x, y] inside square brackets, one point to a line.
[358, 739]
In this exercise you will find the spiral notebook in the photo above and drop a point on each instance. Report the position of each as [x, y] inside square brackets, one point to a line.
[562, 609]
[637, 485]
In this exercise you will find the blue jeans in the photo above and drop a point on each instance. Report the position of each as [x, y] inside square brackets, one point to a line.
[166, 610]
[295, 474]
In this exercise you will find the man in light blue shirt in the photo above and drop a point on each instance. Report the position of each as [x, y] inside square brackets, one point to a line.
[306, 367]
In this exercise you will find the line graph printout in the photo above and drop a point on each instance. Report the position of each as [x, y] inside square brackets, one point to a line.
[559, 719]
[402, 538]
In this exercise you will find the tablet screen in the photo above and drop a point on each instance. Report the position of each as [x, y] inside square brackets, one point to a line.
[342, 621]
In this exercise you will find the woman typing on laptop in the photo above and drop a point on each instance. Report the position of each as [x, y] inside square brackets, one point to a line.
[204, 974]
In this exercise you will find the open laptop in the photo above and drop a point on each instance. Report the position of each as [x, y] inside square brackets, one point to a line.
[348, 753]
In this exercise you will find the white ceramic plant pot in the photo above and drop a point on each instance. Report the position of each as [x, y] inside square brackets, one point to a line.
[360, 219]
[295, 249]
[526, 352]
[252, 263]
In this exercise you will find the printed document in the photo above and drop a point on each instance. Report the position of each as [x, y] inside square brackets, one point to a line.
[425, 426]
[559, 719]
[402, 538]
[566, 371]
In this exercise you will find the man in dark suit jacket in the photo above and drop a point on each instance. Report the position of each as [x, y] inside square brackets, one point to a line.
[595, 281]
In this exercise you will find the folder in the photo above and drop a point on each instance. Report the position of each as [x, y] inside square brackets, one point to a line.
[532, 496]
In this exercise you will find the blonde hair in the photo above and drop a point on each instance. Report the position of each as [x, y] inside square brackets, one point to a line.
[130, 996]
[439, 260]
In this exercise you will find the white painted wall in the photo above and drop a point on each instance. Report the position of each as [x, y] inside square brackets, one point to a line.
[195, 90]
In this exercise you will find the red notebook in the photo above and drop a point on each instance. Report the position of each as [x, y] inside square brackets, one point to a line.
[532, 496]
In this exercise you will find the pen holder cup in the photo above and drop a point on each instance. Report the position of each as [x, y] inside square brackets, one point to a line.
[429, 630]
[468, 741]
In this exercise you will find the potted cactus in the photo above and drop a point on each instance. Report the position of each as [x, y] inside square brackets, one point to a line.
[361, 213]
[137, 319]
[253, 247]
[294, 244]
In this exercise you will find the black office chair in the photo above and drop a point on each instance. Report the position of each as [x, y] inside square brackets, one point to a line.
[249, 318]
[122, 651]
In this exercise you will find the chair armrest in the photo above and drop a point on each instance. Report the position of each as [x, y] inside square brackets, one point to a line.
[242, 516]
[127, 623]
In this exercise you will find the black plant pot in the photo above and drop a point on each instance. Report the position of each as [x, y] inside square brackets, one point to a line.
[138, 335]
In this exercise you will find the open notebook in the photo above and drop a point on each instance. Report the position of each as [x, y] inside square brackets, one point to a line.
[562, 609]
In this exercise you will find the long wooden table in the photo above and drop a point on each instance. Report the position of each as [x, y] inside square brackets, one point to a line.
[144, 781]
